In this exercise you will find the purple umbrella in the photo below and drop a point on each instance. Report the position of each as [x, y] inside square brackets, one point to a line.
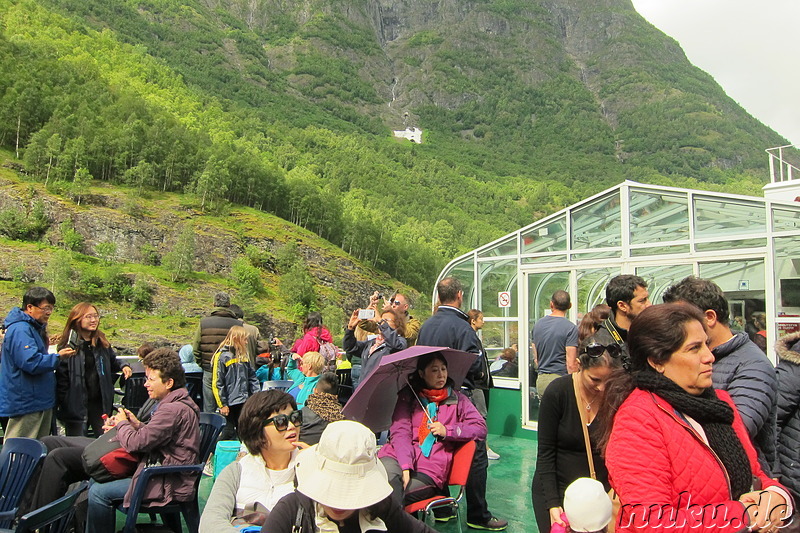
[373, 402]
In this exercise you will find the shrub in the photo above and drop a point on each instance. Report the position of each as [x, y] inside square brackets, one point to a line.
[247, 277]
[70, 238]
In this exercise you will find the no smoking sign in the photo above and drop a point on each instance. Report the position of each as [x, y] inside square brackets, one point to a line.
[504, 299]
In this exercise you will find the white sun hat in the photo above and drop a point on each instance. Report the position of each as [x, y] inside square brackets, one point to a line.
[343, 470]
[587, 505]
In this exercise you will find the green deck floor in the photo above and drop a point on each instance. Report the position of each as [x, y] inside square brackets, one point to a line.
[508, 491]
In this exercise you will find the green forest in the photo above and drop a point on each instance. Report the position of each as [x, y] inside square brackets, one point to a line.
[252, 104]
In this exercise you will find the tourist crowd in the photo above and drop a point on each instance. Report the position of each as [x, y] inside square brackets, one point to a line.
[714, 425]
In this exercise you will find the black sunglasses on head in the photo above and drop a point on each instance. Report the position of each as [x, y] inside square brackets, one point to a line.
[281, 422]
[596, 349]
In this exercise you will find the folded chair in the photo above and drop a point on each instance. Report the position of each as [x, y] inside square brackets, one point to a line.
[211, 425]
[19, 460]
[459, 472]
[55, 517]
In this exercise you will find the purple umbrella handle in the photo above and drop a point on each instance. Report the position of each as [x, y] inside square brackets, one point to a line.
[430, 420]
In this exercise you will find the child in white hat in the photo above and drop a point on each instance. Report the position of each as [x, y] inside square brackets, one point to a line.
[587, 506]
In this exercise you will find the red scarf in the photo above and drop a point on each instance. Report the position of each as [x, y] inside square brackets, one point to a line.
[436, 396]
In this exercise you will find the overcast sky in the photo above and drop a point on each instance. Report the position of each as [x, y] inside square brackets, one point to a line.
[751, 47]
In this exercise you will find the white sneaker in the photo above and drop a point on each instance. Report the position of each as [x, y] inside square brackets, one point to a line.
[491, 454]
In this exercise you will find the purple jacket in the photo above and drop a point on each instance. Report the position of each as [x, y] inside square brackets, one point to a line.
[172, 435]
[459, 416]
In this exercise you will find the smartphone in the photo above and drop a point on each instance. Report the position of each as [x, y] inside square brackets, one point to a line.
[72, 340]
[118, 406]
[366, 314]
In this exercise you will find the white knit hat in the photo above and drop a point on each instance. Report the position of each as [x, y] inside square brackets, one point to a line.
[587, 505]
[343, 470]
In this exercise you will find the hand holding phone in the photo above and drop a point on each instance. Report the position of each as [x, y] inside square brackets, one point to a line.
[72, 340]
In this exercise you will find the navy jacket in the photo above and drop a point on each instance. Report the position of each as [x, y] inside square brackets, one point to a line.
[27, 371]
[449, 328]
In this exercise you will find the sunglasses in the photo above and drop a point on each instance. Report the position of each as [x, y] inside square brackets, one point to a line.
[596, 349]
[281, 422]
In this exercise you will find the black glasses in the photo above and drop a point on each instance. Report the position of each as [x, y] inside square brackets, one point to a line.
[46, 308]
[596, 349]
[281, 422]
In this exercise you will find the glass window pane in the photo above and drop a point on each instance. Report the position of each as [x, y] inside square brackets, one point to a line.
[598, 224]
[497, 336]
[658, 217]
[659, 278]
[730, 244]
[465, 272]
[550, 237]
[744, 285]
[660, 250]
[507, 247]
[592, 287]
[541, 287]
[717, 218]
[785, 219]
[787, 276]
[496, 277]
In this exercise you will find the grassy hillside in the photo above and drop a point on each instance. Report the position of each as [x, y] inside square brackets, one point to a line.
[114, 249]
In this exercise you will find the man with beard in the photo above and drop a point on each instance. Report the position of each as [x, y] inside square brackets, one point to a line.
[627, 296]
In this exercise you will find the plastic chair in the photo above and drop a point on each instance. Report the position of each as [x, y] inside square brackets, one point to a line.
[211, 425]
[135, 394]
[19, 460]
[282, 385]
[194, 383]
[459, 472]
[55, 517]
[345, 385]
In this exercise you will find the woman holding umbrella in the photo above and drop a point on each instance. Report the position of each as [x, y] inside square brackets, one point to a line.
[431, 420]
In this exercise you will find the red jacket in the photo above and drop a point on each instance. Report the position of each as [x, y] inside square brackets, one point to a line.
[666, 476]
[309, 342]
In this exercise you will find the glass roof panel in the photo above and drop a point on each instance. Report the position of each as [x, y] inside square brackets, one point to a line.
[464, 270]
[785, 219]
[560, 258]
[606, 254]
[507, 247]
[660, 250]
[730, 244]
[658, 217]
[598, 224]
[550, 237]
[718, 217]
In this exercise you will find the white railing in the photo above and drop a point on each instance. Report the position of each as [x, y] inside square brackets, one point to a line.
[785, 170]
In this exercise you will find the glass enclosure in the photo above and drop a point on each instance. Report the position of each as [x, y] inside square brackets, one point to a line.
[749, 246]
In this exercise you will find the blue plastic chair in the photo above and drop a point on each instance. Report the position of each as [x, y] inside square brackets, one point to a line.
[19, 459]
[211, 425]
[279, 384]
[55, 517]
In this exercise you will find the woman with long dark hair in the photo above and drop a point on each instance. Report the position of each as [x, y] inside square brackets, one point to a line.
[431, 419]
[85, 383]
[571, 401]
[676, 444]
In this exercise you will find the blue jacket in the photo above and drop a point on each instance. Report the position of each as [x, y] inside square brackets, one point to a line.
[27, 371]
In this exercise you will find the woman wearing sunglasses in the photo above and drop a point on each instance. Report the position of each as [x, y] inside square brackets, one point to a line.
[246, 490]
[562, 456]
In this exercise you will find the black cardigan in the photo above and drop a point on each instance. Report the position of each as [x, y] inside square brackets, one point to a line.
[561, 457]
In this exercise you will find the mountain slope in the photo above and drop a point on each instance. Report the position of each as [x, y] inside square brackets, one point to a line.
[287, 107]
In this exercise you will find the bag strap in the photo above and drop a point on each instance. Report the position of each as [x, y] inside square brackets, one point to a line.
[298, 520]
[584, 422]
